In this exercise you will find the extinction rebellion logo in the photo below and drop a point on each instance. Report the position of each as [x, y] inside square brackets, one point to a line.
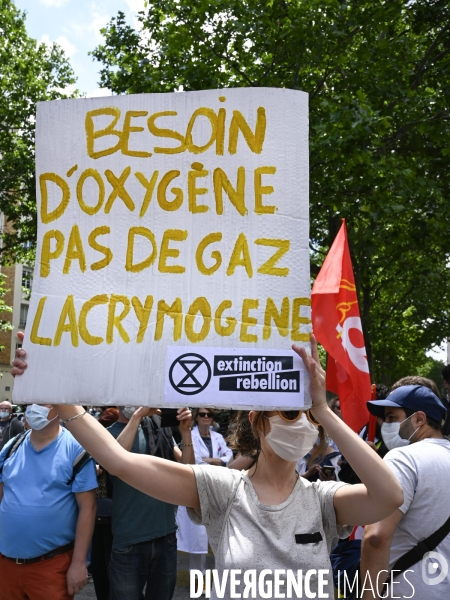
[191, 373]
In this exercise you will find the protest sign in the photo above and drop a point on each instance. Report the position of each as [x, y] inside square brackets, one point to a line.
[170, 225]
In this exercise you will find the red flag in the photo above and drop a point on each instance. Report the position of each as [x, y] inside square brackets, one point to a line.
[337, 326]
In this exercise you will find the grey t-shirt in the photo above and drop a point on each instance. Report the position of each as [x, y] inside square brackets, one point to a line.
[423, 470]
[260, 536]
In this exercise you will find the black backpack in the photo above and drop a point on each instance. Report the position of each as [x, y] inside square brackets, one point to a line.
[80, 461]
[159, 439]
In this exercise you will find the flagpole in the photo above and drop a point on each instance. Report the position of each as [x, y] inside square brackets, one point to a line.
[372, 418]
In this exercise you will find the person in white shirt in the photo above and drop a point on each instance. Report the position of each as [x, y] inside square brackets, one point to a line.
[210, 448]
[419, 457]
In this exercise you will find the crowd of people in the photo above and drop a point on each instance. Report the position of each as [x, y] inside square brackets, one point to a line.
[111, 489]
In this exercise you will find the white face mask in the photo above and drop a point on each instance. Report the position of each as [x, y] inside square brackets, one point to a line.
[37, 416]
[128, 411]
[390, 432]
[4, 414]
[291, 441]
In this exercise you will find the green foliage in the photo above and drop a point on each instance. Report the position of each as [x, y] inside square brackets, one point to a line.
[377, 74]
[432, 368]
[29, 73]
[322, 355]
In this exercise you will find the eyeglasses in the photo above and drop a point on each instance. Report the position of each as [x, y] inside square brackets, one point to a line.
[207, 415]
[293, 415]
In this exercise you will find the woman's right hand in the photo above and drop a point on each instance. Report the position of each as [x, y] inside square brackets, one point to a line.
[314, 470]
[19, 363]
[317, 377]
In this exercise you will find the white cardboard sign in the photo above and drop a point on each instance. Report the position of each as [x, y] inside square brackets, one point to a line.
[166, 223]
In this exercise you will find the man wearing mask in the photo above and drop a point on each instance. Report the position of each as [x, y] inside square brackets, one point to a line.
[10, 425]
[145, 544]
[420, 458]
[47, 511]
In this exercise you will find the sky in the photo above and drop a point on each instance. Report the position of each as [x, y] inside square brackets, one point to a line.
[75, 25]
[440, 353]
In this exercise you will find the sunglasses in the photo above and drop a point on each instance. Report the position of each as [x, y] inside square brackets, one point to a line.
[205, 414]
[293, 415]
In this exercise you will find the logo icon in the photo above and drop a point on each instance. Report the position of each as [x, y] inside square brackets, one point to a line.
[431, 563]
[357, 354]
[189, 374]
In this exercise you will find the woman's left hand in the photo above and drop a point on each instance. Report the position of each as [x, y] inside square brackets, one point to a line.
[317, 377]
[326, 476]
[184, 416]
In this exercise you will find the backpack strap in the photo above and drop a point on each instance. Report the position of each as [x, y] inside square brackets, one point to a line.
[416, 554]
[159, 439]
[13, 447]
[78, 464]
[80, 461]
[332, 455]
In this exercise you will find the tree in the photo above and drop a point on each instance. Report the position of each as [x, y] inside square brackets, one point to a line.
[29, 73]
[377, 72]
[432, 369]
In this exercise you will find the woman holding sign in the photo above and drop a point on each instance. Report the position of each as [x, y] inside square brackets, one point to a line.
[267, 518]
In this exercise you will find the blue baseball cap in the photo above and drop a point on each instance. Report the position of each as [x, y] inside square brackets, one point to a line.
[413, 397]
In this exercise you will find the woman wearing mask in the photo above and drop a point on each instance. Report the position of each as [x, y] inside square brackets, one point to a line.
[267, 517]
[210, 448]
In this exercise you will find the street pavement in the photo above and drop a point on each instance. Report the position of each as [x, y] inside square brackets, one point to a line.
[182, 589]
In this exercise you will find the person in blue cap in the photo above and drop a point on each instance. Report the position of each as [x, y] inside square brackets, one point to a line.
[420, 458]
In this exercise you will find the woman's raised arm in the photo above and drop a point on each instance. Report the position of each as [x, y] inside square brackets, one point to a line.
[380, 492]
[163, 479]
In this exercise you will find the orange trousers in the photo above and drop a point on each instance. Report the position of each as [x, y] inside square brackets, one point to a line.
[44, 580]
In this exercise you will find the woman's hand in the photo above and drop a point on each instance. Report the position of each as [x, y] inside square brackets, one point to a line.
[146, 411]
[329, 476]
[19, 362]
[184, 417]
[317, 377]
[311, 472]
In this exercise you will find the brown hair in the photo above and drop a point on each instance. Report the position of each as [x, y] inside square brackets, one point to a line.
[243, 436]
[417, 380]
[319, 451]
[108, 417]
[333, 403]
[195, 415]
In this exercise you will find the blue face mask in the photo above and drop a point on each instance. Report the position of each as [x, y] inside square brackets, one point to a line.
[4, 414]
[37, 416]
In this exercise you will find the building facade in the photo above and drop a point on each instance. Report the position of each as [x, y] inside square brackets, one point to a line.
[18, 283]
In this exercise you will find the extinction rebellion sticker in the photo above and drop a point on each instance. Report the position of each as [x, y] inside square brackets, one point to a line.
[236, 378]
